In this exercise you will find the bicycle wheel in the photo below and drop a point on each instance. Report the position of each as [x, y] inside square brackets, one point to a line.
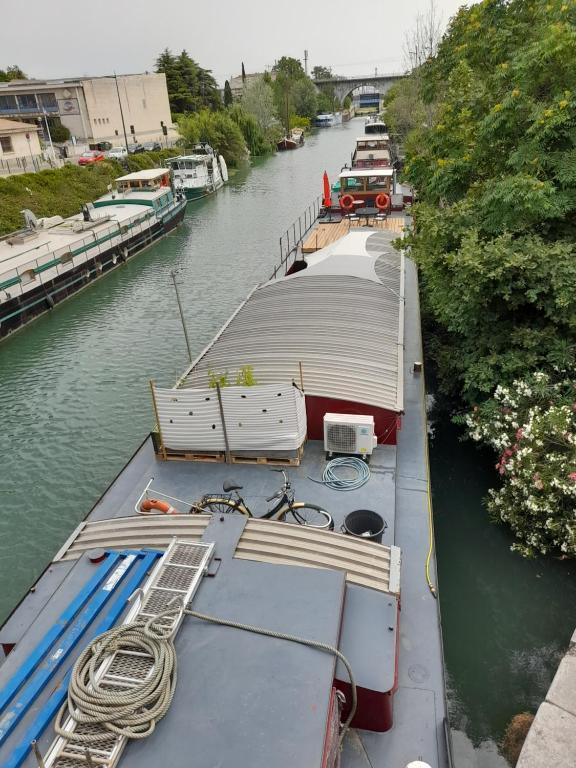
[218, 506]
[311, 515]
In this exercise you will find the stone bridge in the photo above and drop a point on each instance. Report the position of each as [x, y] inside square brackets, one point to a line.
[343, 86]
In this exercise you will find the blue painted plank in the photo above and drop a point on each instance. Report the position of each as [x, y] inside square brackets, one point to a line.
[55, 655]
[37, 655]
[50, 708]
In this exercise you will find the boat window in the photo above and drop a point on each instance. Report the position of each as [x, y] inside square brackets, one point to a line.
[28, 276]
[377, 182]
[351, 182]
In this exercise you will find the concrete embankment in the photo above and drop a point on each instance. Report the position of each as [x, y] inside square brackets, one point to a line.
[551, 740]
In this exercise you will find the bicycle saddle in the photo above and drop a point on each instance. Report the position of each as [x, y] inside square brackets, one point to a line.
[230, 485]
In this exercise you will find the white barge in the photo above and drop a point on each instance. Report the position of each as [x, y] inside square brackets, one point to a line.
[52, 258]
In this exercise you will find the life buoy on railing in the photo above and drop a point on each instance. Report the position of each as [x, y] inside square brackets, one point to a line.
[382, 201]
[148, 507]
[347, 202]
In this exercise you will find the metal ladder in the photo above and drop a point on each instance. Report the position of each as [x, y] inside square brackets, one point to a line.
[178, 574]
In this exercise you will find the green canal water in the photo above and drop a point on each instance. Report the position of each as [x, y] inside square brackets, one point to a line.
[74, 405]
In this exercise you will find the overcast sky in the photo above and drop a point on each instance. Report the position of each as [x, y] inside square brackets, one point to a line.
[71, 38]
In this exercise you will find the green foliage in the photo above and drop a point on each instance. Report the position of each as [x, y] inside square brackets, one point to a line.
[217, 379]
[327, 101]
[54, 192]
[300, 122]
[304, 98]
[12, 72]
[532, 427]
[347, 103]
[219, 130]
[490, 141]
[258, 100]
[190, 87]
[294, 92]
[245, 377]
[65, 190]
[58, 132]
[321, 73]
[255, 138]
[228, 99]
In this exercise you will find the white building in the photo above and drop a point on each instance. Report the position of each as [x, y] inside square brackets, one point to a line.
[92, 108]
[18, 139]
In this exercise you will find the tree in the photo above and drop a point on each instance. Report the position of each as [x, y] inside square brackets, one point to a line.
[12, 72]
[227, 94]
[190, 87]
[327, 101]
[256, 139]
[421, 42]
[304, 98]
[321, 73]
[258, 100]
[243, 73]
[289, 68]
[491, 151]
[216, 128]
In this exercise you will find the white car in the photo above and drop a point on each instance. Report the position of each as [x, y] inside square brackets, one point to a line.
[117, 153]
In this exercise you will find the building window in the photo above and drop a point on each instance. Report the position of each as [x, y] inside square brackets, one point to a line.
[8, 104]
[95, 121]
[27, 102]
[144, 103]
[6, 144]
[48, 102]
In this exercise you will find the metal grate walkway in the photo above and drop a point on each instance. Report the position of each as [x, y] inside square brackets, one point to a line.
[178, 574]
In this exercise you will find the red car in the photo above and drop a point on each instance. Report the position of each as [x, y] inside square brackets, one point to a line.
[89, 158]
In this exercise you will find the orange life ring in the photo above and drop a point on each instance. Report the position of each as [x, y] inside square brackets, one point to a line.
[149, 505]
[347, 202]
[382, 201]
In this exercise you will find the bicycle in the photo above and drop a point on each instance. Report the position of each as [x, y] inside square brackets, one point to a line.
[300, 512]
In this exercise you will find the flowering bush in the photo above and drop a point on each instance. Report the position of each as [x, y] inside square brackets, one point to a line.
[532, 427]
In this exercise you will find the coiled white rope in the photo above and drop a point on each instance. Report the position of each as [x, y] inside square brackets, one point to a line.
[331, 479]
[134, 712]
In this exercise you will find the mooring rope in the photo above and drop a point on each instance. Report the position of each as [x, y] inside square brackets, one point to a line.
[134, 712]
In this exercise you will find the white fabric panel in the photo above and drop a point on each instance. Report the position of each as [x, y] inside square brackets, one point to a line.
[259, 418]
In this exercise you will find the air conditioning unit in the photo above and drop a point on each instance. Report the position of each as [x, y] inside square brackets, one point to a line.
[349, 433]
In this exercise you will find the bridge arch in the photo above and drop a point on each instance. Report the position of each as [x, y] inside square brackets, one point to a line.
[344, 86]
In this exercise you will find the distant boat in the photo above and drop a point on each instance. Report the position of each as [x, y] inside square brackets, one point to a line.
[294, 140]
[375, 125]
[200, 173]
[327, 120]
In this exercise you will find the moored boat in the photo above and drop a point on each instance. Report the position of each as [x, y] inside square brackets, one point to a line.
[327, 120]
[293, 140]
[371, 152]
[290, 645]
[375, 125]
[51, 258]
[200, 173]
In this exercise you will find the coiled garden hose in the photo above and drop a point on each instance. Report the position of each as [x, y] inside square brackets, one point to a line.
[331, 479]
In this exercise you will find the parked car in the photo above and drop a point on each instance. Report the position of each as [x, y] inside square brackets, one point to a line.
[136, 149]
[152, 146]
[117, 153]
[89, 158]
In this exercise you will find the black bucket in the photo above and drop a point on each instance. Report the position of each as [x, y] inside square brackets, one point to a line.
[365, 524]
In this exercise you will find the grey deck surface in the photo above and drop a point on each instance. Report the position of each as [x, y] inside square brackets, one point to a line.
[397, 491]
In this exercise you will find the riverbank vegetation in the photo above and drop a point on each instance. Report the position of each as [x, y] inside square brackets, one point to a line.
[250, 123]
[63, 191]
[489, 129]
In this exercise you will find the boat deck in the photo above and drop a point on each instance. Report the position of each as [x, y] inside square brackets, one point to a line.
[398, 490]
[328, 232]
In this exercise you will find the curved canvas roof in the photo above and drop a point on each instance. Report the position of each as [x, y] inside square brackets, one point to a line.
[342, 318]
